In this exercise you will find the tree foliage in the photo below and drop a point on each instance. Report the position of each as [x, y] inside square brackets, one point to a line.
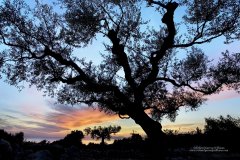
[140, 70]
[73, 138]
[12, 138]
[102, 132]
[222, 125]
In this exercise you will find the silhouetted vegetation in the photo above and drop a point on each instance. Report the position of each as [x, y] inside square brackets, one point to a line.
[218, 140]
[74, 138]
[132, 142]
[16, 138]
[222, 126]
[102, 132]
[223, 131]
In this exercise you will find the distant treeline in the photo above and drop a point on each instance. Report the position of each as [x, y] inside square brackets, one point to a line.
[220, 132]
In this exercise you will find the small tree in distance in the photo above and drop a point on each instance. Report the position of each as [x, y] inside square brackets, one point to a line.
[102, 132]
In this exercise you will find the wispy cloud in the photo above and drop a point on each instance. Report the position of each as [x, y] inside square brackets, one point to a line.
[72, 117]
[46, 127]
[3, 122]
[224, 95]
[31, 125]
[57, 122]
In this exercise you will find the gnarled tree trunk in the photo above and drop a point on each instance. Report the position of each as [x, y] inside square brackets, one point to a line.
[153, 129]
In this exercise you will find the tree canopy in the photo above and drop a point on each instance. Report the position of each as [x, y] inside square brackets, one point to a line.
[141, 71]
[222, 125]
[102, 132]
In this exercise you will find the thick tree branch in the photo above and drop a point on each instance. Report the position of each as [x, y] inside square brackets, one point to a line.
[92, 85]
[68, 63]
[121, 57]
[167, 44]
[157, 3]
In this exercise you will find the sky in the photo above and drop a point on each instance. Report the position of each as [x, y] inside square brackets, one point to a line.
[39, 117]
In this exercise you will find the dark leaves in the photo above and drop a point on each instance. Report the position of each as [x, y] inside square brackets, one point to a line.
[227, 71]
[192, 68]
[84, 21]
[140, 67]
[102, 132]
[209, 18]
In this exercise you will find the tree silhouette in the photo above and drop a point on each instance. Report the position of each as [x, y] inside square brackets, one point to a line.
[102, 132]
[141, 75]
[222, 126]
[223, 131]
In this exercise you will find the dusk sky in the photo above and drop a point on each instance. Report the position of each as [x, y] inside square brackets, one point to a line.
[39, 117]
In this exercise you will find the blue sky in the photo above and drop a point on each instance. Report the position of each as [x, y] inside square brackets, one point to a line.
[38, 117]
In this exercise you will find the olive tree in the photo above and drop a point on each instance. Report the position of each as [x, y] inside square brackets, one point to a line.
[102, 132]
[141, 75]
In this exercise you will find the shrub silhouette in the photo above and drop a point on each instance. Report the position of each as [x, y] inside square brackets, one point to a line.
[74, 138]
[12, 138]
[136, 138]
[134, 142]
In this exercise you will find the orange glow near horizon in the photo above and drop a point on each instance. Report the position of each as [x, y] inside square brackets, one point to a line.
[65, 119]
[50, 121]
[82, 118]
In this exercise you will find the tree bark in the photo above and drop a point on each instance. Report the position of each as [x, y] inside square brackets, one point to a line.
[153, 129]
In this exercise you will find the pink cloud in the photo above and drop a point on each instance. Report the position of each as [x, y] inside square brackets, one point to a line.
[223, 95]
[78, 117]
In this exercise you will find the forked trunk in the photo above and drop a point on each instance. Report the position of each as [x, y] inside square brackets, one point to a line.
[154, 132]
